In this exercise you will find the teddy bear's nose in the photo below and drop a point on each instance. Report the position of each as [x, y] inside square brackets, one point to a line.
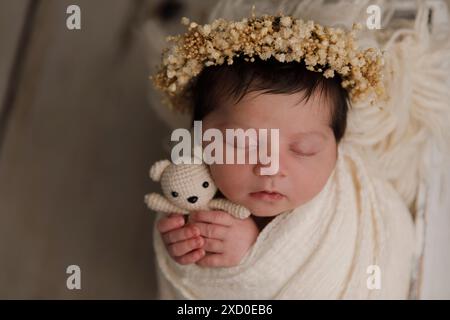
[192, 199]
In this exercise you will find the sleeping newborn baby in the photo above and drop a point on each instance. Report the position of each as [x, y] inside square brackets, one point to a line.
[321, 212]
[327, 224]
[310, 115]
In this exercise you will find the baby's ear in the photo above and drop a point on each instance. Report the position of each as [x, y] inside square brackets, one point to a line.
[158, 168]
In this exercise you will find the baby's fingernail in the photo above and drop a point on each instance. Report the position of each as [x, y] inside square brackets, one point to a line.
[199, 241]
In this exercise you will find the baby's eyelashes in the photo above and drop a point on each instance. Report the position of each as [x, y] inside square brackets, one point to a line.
[305, 148]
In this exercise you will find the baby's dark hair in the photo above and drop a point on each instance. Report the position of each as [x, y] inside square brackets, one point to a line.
[219, 84]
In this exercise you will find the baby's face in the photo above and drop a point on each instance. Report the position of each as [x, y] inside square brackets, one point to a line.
[307, 151]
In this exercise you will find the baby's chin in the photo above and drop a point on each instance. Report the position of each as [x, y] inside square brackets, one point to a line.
[262, 207]
[266, 209]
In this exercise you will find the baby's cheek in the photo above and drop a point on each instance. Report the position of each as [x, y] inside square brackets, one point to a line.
[229, 178]
[310, 181]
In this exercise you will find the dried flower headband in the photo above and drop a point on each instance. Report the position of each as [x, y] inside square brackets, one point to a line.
[323, 49]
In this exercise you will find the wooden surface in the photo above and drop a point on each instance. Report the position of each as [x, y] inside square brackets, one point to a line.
[12, 21]
[74, 160]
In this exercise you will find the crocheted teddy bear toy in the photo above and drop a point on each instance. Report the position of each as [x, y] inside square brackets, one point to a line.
[186, 188]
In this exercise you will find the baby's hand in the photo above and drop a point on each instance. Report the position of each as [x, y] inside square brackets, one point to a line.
[183, 242]
[227, 239]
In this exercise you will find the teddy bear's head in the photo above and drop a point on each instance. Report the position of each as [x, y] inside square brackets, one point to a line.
[188, 186]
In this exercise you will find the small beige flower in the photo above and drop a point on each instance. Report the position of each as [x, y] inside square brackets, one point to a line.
[286, 21]
[185, 21]
[328, 73]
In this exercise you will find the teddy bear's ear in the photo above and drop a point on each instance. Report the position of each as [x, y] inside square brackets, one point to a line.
[158, 168]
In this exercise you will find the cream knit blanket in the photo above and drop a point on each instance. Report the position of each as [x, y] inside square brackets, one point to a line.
[325, 249]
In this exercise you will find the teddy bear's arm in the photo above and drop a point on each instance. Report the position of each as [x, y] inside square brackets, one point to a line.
[235, 210]
[158, 203]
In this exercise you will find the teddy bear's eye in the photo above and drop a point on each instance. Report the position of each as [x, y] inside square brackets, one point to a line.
[174, 194]
[205, 184]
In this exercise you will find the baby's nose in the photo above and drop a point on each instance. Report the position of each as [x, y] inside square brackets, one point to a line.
[192, 199]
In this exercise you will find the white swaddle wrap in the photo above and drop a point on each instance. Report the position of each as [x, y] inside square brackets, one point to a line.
[321, 250]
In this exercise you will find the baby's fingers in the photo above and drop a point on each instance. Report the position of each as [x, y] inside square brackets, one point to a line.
[166, 224]
[180, 234]
[212, 231]
[216, 217]
[191, 257]
[213, 246]
[179, 249]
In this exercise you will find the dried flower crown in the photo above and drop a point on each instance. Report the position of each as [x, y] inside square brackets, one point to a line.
[323, 49]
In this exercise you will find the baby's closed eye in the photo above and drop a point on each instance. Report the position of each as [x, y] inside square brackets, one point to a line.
[305, 148]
